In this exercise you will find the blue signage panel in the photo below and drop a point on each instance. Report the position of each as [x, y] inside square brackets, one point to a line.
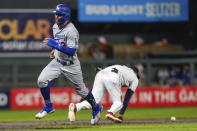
[24, 32]
[4, 99]
[132, 10]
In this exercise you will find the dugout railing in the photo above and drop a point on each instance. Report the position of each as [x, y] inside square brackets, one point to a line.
[23, 72]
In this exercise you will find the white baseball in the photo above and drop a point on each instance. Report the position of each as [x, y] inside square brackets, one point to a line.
[173, 118]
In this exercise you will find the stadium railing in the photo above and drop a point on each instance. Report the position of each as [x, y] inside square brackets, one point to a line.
[23, 72]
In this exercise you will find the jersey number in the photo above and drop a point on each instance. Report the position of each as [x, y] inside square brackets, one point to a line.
[114, 70]
[63, 43]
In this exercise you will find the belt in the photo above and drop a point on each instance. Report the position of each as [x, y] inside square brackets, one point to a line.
[65, 63]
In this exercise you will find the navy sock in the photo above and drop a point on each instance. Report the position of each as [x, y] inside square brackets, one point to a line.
[91, 100]
[127, 98]
[46, 92]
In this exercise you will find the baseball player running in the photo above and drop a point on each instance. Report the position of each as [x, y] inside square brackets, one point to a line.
[111, 79]
[65, 61]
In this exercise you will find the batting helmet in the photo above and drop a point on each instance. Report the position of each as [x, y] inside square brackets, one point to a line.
[63, 10]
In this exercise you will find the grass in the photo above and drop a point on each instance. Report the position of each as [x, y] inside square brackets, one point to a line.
[131, 113]
[133, 127]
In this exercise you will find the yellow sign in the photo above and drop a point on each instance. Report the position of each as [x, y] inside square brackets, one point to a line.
[37, 29]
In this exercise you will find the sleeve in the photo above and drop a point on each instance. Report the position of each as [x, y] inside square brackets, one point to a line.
[127, 98]
[134, 84]
[71, 39]
[65, 49]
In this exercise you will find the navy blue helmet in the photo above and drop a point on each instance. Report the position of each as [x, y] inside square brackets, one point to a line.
[63, 10]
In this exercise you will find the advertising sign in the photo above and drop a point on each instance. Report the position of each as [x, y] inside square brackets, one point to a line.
[4, 99]
[132, 10]
[24, 31]
[30, 98]
[143, 97]
[158, 97]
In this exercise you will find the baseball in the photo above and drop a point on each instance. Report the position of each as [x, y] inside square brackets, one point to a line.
[173, 118]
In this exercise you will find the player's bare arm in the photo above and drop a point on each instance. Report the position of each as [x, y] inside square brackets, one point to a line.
[52, 54]
[45, 41]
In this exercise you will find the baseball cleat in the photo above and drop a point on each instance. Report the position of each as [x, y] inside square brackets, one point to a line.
[48, 108]
[112, 117]
[96, 114]
[71, 112]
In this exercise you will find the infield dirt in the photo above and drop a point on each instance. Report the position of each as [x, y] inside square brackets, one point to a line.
[34, 125]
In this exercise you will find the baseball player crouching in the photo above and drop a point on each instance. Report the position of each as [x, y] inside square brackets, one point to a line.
[64, 61]
[111, 79]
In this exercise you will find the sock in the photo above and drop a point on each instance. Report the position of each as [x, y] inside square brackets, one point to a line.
[46, 93]
[75, 110]
[128, 95]
[91, 100]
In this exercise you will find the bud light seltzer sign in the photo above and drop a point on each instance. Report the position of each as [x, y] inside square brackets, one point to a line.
[132, 10]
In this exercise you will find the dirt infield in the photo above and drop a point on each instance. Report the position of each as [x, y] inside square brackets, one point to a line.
[34, 125]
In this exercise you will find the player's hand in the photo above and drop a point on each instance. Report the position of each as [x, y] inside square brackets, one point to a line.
[120, 117]
[52, 54]
[45, 41]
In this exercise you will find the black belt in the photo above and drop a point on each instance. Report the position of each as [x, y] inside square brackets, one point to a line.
[65, 63]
